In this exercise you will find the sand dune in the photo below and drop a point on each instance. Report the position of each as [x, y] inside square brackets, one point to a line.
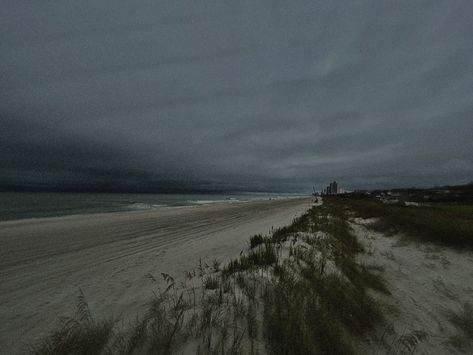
[112, 258]
[426, 283]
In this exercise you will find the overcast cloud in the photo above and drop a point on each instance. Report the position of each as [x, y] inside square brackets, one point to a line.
[246, 95]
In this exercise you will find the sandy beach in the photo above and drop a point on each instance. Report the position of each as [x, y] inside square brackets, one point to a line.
[114, 257]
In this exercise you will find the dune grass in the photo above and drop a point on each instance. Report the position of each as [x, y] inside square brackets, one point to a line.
[299, 290]
[261, 257]
[256, 240]
[444, 223]
[463, 322]
[81, 334]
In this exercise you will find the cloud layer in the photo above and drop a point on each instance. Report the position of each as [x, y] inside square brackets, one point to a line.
[236, 95]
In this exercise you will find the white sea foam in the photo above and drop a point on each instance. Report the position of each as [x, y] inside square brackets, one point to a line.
[145, 206]
[205, 202]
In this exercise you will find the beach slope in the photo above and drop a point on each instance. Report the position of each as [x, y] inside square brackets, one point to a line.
[114, 258]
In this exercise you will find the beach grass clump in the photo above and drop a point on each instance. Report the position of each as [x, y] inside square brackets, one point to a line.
[261, 257]
[163, 323]
[256, 240]
[295, 322]
[317, 314]
[299, 224]
[211, 282]
[79, 335]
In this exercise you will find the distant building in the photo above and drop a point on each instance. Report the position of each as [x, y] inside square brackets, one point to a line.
[334, 188]
[331, 189]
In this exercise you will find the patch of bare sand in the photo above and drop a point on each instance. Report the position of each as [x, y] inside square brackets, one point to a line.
[114, 257]
[426, 281]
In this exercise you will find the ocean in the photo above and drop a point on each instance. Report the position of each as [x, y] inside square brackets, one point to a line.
[20, 205]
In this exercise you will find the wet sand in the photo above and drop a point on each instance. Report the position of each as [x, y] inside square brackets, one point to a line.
[114, 257]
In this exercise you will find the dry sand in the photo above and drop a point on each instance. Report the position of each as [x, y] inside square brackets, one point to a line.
[426, 283]
[44, 262]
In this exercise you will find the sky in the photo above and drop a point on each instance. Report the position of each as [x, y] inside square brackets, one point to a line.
[235, 95]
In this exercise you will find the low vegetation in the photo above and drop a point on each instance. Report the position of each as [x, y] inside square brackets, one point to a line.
[446, 223]
[256, 240]
[300, 290]
[463, 322]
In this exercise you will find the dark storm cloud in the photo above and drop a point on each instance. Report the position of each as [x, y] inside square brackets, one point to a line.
[236, 95]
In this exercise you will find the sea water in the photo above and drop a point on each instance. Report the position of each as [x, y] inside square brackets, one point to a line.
[19, 205]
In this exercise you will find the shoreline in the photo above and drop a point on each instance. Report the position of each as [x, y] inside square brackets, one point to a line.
[142, 210]
[132, 206]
